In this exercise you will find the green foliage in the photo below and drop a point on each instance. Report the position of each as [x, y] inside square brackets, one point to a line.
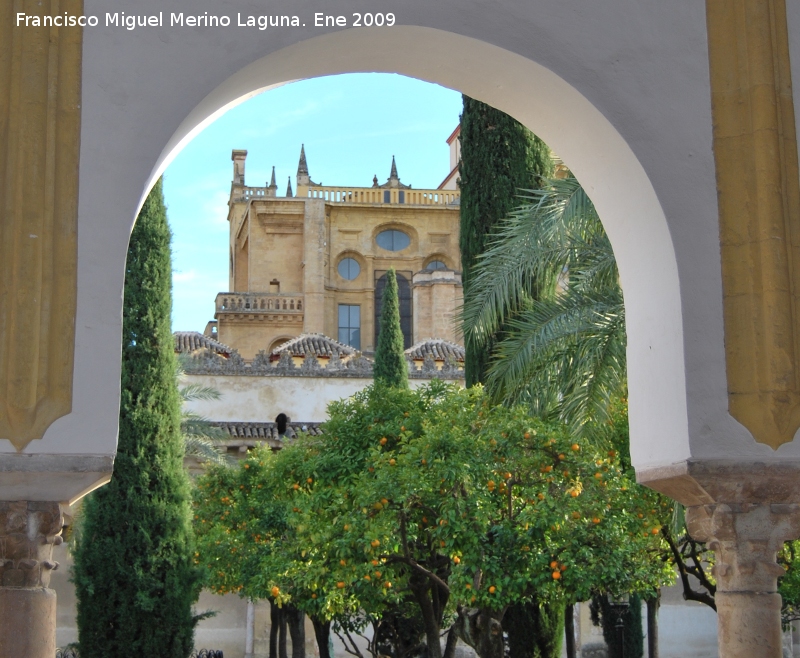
[433, 496]
[390, 364]
[535, 630]
[789, 584]
[605, 616]
[499, 157]
[133, 572]
[564, 352]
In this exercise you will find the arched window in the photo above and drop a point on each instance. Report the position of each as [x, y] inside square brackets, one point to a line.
[404, 295]
[349, 268]
[393, 240]
[436, 265]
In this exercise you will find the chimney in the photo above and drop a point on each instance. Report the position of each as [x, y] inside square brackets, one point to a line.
[238, 156]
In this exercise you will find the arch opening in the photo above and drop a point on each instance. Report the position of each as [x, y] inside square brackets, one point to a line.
[576, 130]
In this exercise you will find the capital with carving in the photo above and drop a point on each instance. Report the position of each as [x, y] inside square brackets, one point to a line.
[746, 538]
[28, 532]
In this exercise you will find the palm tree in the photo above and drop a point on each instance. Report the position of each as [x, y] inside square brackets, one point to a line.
[549, 283]
[201, 438]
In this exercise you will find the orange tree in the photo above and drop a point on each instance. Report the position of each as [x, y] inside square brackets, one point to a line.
[432, 498]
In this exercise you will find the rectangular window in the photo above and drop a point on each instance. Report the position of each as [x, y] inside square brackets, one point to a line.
[401, 196]
[350, 325]
[387, 196]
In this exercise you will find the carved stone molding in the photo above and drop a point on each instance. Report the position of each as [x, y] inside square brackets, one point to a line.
[746, 539]
[28, 532]
[755, 151]
[40, 91]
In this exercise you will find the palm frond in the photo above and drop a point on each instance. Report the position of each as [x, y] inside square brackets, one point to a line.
[205, 449]
[548, 289]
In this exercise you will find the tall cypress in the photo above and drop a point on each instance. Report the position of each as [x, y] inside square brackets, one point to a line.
[134, 574]
[390, 362]
[499, 157]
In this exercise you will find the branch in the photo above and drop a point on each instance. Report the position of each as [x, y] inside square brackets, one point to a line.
[345, 645]
[688, 593]
[420, 569]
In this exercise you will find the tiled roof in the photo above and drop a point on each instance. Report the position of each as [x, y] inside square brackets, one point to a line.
[319, 345]
[438, 348]
[247, 435]
[187, 342]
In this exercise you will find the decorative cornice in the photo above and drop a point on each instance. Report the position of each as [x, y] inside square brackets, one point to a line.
[209, 362]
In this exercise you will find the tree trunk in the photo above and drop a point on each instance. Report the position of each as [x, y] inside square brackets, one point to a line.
[481, 630]
[297, 630]
[274, 628]
[431, 624]
[652, 624]
[322, 633]
[282, 634]
[569, 629]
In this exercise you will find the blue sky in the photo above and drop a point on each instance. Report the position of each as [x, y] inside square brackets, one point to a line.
[351, 126]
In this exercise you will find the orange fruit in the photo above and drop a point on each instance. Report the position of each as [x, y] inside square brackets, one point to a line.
[402, 428]
[387, 584]
[343, 562]
[527, 435]
[492, 589]
[377, 574]
[654, 531]
[295, 486]
[346, 527]
[392, 462]
[340, 584]
[366, 577]
[313, 596]
[554, 565]
[375, 543]
[383, 441]
[595, 520]
[384, 501]
[576, 447]
[275, 591]
[468, 586]
[457, 559]
[574, 493]
[540, 496]
[375, 563]
[562, 456]
[598, 475]
[424, 461]
[556, 575]
[563, 567]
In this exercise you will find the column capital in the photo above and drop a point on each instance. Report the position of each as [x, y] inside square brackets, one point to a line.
[28, 532]
[746, 538]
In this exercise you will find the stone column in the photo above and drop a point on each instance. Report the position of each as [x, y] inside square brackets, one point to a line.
[744, 512]
[746, 539]
[28, 532]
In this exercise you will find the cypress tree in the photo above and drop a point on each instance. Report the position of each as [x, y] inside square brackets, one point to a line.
[134, 573]
[499, 157]
[390, 362]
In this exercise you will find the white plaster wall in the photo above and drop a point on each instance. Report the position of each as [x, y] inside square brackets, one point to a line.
[618, 88]
[261, 399]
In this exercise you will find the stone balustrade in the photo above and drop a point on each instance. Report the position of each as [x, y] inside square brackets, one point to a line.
[377, 195]
[258, 302]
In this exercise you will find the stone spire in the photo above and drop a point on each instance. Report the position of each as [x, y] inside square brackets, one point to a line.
[273, 186]
[302, 170]
[289, 187]
[394, 180]
[375, 181]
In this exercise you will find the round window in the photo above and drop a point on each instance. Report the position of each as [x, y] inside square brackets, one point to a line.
[393, 240]
[349, 268]
[436, 265]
